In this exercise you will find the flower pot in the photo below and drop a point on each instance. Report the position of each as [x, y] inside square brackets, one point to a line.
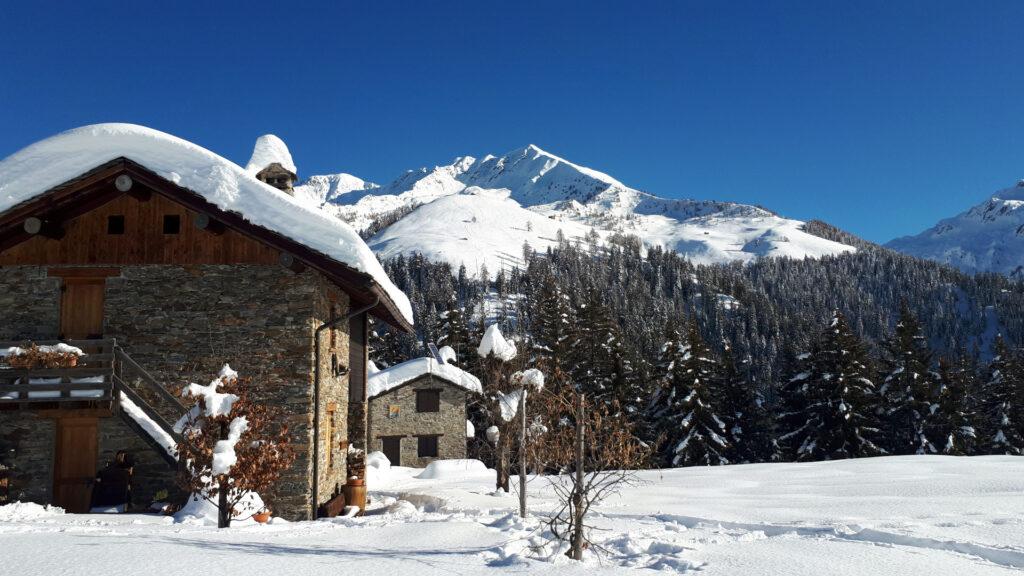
[262, 517]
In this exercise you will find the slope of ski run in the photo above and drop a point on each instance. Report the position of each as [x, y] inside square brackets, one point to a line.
[894, 516]
[571, 198]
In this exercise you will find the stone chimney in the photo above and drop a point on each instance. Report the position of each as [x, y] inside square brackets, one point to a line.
[272, 163]
[279, 177]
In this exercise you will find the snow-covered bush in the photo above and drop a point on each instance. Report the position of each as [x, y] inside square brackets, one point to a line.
[233, 447]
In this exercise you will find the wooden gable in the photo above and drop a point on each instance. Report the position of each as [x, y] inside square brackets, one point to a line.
[69, 225]
[155, 230]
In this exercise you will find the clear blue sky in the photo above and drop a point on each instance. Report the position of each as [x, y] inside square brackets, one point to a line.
[880, 117]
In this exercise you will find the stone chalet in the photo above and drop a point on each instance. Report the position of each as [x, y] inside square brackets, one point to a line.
[164, 261]
[417, 411]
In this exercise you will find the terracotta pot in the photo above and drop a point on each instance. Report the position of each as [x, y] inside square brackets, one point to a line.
[72, 361]
[262, 517]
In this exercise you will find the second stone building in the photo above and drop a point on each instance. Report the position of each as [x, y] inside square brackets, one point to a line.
[417, 411]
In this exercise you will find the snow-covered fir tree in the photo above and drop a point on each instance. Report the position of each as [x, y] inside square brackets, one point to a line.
[906, 396]
[838, 418]
[742, 408]
[696, 435]
[1004, 403]
[954, 423]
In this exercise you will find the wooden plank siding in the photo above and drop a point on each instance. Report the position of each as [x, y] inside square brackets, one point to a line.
[86, 241]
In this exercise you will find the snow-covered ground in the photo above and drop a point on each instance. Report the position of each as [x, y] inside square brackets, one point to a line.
[892, 516]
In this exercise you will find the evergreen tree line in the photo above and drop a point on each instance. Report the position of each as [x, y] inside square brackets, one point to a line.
[854, 355]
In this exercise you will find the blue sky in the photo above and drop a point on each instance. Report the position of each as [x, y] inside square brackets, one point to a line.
[879, 117]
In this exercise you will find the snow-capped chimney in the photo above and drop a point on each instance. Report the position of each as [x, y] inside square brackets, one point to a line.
[272, 163]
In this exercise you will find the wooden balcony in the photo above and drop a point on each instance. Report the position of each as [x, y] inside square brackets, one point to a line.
[89, 384]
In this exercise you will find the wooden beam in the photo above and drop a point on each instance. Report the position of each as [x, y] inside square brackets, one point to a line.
[83, 272]
[44, 228]
[140, 193]
[211, 225]
[292, 263]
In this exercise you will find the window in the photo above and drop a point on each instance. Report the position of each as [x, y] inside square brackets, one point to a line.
[428, 400]
[115, 224]
[426, 446]
[172, 223]
[331, 409]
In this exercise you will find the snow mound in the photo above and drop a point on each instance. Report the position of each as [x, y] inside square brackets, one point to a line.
[48, 163]
[447, 353]
[20, 511]
[444, 469]
[391, 378]
[268, 150]
[494, 342]
[378, 468]
[201, 511]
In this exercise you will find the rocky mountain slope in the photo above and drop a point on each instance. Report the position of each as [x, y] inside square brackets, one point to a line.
[987, 238]
[482, 211]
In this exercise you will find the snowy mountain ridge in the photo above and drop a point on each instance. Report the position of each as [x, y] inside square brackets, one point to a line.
[482, 211]
[986, 238]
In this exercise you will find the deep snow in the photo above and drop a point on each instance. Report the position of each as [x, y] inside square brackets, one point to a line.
[896, 516]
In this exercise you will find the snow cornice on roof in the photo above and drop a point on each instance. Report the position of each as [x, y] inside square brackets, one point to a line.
[389, 379]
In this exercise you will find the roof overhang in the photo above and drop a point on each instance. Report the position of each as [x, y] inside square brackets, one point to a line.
[96, 187]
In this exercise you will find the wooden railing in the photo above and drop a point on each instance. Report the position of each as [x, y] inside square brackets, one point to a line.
[103, 374]
[143, 390]
[90, 381]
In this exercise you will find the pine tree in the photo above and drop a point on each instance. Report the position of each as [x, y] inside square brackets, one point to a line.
[742, 409]
[1004, 403]
[838, 418]
[955, 418]
[455, 333]
[595, 366]
[696, 435]
[552, 327]
[907, 393]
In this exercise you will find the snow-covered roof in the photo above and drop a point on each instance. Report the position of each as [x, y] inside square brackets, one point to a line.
[391, 378]
[270, 149]
[49, 163]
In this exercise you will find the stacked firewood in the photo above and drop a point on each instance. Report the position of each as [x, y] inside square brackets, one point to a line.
[356, 461]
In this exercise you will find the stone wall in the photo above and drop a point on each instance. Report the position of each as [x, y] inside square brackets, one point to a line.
[152, 473]
[27, 443]
[449, 423]
[29, 303]
[183, 323]
[332, 303]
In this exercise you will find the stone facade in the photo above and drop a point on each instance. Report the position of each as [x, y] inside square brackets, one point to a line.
[28, 308]
[182, 323]
[28, 439]
[449, 423]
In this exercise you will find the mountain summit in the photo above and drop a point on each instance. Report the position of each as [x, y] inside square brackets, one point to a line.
[481, 211]
[987, 238]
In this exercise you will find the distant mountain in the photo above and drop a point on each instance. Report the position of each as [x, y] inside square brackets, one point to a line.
[987, 238]
[482, 211]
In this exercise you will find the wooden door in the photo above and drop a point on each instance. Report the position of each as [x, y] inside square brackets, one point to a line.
[74, 463]
[392, 448]
[81, 308]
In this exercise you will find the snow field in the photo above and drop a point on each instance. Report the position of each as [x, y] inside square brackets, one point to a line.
[893, 515]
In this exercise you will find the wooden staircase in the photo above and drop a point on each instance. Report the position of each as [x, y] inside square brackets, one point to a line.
[104, 377]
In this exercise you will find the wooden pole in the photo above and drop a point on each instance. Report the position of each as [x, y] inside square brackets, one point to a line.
[522, 456]
[577, 531]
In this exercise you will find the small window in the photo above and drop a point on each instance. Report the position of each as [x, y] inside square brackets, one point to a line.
[428, 400]
[172, 224]
[115, 224]
[426, 446]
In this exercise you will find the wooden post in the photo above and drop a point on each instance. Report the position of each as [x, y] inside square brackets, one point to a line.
[522, 455]
[577, 497]
[223, 508]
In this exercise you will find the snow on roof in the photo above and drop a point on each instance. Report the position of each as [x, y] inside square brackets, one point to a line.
[391, 378]
[48, 163]
[270, 149]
